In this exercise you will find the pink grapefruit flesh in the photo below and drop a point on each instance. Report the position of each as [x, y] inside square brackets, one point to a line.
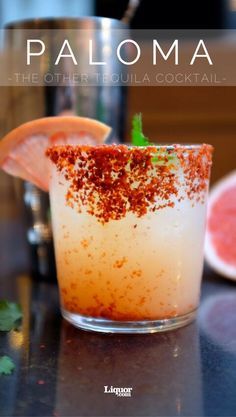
[22, 151]
[220, 245]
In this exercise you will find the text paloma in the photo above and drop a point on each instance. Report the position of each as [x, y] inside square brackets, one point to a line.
[200, 51]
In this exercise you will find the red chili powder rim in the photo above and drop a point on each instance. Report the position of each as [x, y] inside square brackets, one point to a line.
[112, 180]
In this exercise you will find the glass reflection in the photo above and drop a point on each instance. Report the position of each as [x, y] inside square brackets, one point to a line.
[164, 371]
[217, 322]
[217, 319]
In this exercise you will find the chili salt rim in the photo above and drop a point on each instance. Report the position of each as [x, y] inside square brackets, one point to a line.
[128, 178]
[162, 146]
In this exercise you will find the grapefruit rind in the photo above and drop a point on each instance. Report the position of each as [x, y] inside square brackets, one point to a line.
[212, 258]
[49, 126]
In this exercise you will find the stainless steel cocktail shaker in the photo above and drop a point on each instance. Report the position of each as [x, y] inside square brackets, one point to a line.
[105, 103]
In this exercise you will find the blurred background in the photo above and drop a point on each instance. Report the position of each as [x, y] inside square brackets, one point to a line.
[170, 114]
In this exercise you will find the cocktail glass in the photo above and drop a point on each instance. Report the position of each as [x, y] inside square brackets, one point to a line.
[128, 226]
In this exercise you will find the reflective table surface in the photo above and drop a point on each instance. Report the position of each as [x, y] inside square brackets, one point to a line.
[62, 371]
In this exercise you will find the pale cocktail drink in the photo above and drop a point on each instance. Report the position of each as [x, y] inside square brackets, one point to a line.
[128, 226]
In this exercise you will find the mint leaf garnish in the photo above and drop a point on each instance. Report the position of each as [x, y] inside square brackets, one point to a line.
[6, 365]
[10, 314]
[138, 138]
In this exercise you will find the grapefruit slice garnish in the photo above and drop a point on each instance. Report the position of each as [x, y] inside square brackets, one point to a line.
[22, 151]
[220, 244]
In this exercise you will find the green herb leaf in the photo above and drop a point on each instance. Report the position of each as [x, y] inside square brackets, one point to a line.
[7, 365]
[10, 314]
[138, 138]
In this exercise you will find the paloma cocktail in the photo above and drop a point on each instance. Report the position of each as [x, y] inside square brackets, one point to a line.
[128, 226]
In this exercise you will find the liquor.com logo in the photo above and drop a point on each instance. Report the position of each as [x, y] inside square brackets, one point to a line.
[118, 391]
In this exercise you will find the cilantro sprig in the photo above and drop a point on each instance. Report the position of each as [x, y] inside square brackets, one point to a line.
[7, 365]
[139, 139]
[10, 315]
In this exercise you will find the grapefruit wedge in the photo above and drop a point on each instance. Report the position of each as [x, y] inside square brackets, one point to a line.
[220, 244]
[22, 151]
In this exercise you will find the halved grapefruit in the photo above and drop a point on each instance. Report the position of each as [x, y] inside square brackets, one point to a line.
[220, 244]
[22, 151]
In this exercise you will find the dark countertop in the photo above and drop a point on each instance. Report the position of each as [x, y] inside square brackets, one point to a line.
[61, 371]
